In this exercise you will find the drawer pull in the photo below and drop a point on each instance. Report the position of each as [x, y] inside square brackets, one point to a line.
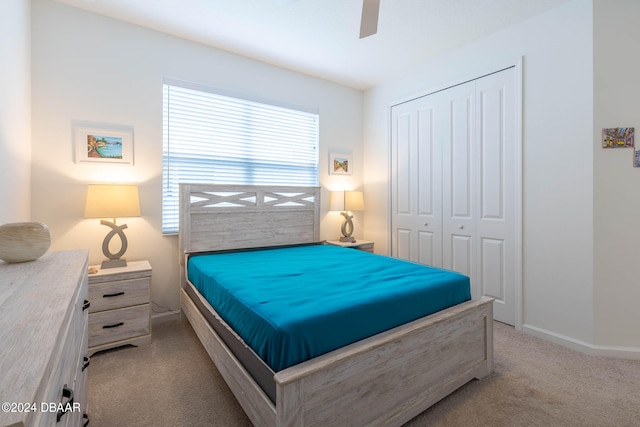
[87, 361]
[86, 305]
[117, 294]
[115, 325]
[68, 393]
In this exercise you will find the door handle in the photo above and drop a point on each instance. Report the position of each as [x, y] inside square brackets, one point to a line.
[460, 226]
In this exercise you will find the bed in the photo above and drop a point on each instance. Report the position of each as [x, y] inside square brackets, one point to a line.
[383, 379]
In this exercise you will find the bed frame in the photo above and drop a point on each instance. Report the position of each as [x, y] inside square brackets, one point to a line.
[386, 379]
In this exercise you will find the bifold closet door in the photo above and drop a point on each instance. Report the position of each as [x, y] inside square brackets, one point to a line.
[416, 196]
[453, 184]
[496, 179]
[459, 153]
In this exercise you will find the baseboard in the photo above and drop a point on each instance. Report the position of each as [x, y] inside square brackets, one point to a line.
[618, 352]
[563, 340]
[631, 353]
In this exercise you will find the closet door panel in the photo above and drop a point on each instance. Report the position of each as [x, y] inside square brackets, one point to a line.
[461, 254]
[428, 223]
[403, 243]
[496, 187]
[404, 166]
[405, 174]
[492, 259]
[492, 148]
[429, 248]
[460, 156]
[417, 189]
[458, 153]
[429, 193]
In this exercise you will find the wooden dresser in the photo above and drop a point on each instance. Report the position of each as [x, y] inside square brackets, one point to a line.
[43, 341]
[120, 312]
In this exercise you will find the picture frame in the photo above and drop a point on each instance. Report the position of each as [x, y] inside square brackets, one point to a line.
[340, 164]
[618, 137]
[103, 144]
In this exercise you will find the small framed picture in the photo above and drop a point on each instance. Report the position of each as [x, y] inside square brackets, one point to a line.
[340, 164]
[618, 137]
[103, 145]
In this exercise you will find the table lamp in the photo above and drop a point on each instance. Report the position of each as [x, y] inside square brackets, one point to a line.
[112, 201]
[347, 201]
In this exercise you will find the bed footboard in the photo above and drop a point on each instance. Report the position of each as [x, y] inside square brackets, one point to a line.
[386, 379]
[392, 377]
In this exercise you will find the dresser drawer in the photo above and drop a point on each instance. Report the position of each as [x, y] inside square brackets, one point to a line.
[63, 377]
[63, 388]
[80, 387]
[124, 293]
[62, 385]
[118, 324]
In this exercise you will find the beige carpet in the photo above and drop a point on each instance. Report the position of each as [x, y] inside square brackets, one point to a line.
[172, 382]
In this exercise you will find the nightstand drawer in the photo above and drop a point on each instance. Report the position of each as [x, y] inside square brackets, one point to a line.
[125, 293]
[119, 324]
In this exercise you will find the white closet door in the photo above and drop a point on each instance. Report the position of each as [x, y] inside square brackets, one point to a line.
[454, 177]
[495, 187]
[417, 181]
[459, 152]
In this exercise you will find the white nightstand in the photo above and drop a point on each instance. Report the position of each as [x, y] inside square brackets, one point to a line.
[363, 245]
[120, 311]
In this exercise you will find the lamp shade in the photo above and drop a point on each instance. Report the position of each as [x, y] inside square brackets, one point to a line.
[353, 201]
[112, 201]
[346, 201]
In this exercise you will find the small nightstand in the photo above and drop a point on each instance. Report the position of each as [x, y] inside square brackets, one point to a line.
[120, 311]
[363, 245]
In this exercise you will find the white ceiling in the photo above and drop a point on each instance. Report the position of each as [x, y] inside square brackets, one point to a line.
[320, 37]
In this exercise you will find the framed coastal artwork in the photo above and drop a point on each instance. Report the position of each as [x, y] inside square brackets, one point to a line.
[103, 145]
[340, 164]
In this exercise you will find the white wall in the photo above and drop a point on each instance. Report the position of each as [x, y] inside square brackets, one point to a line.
[91, 68]
[15, 111]
[616, 181]
[556, 49]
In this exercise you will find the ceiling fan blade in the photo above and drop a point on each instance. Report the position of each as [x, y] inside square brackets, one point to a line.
[369, 23]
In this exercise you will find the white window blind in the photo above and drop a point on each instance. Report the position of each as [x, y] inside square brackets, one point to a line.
[213, 138]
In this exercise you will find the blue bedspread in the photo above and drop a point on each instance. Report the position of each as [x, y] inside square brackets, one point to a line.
[292, 304]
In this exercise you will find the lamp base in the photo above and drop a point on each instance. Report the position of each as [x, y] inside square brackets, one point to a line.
[114, 260]
[347, 228]
[113, 263]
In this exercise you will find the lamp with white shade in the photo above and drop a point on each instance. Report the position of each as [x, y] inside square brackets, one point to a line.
[112, 201]
[347, 201]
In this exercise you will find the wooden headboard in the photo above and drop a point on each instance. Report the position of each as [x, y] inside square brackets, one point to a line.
[221, 217]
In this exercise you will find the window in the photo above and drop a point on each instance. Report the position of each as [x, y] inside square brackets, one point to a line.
[213, 138]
